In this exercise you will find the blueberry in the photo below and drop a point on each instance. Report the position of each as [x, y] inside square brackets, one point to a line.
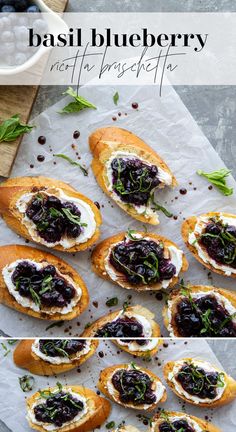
[33, 8]
[73, 231]
[40, 26]
[21, 33]
[49, 270]
[21, 5]
[8, 8]
[69, 292]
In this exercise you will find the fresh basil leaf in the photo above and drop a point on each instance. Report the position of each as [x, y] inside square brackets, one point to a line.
[77, 105]
[131, 235]
[26, 383]
[116, 98]
[158, 207]
[112, 302]
[68, 159]
[11, 129]
[110, 425]
[55, 324]
[218, 179]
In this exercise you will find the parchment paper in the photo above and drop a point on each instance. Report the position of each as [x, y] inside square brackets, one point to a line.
[13, 398]
[166, 125]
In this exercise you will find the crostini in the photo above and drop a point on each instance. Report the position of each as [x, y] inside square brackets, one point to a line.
[131, 322]
[53, 356]
[199, 382]
[39, 284]
[66, 409]
[132, 386]
[211, 238]
[201, 311]
[138, 260]
[169, 421]
[129, 171]
[49, 212]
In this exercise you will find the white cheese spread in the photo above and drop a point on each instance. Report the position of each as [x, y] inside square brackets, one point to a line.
[60, 359]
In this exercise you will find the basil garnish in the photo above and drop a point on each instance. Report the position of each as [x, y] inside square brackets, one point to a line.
[12, 128]
[79, 103]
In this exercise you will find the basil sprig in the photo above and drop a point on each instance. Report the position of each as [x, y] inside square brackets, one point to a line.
[218, 179]
[12, 128]
[79, 103]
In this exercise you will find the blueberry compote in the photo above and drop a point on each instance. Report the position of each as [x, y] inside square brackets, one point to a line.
[219, 240]
[134, 386]
[61, 347]
[122, 327]
[198, 382]
[45, 287]
[133, 181]
[204, 317]
[175, 426]
[53, 218]
[59, 408]
[142, 262]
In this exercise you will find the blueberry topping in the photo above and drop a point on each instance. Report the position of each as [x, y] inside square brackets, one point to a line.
[133, 180]
[219, 240]
[54, 219]
[175, 426]
[61, 347]
[121, 328]
[198, 382]
[142, 262]
[203, 317]
[58, 409]
[134, 386]
[44, 287]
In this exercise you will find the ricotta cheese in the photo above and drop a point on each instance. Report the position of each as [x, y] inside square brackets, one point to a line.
[60, 359]
[134, 346]
[207, 368]
[202, 253]
[7, 273]
[87, 216]
[49, 426]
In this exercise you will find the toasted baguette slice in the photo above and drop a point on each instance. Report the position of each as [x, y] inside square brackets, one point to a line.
[105, 379]
[137, 350]
[188, 227]
[13, 189]
[136, 310]
[25, 358]
[98, 411]
[160, 418]
[170, 309]
[105, 142]
[229, 392]
[100, 257]
[126, 428]
[11, 253]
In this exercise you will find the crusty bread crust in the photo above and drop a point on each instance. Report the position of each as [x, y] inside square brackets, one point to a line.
[106, 375]
[144, 354]
[101, 252]
[25, 358]
[175, 297]
[189, 226]
[137, 309]
[11, 253]
[103, 142]
[204, 424]
[12, 189]
[228, 396]
[98, 411]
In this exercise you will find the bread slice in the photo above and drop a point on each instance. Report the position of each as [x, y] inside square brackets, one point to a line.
[137, 309]
[188, 226]
[102, 250]
[98, 411]
[228, 395]
[176, 295]
[158, 419]
[103, 143]
[11, 253]
[105, 377]
[12, 189]
[25, 358]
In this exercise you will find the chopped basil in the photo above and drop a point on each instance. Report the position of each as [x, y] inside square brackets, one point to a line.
[68, 159]
[5, 348]
[218, 179]
[46, 284]
[12, 128]
[55, 324]
[110, 425]
[116, 98]
[112, 302]
[73, 218]
[27, 383]
[87, 325]
[156, 206]
[79, 103]
[131, 235]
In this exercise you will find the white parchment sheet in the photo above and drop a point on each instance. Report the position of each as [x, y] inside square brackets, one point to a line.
[13, 398]
[166, 125]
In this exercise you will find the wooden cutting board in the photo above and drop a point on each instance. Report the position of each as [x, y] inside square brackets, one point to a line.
[19, 100]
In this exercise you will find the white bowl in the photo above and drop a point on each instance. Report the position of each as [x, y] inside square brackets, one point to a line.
[55, 25]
